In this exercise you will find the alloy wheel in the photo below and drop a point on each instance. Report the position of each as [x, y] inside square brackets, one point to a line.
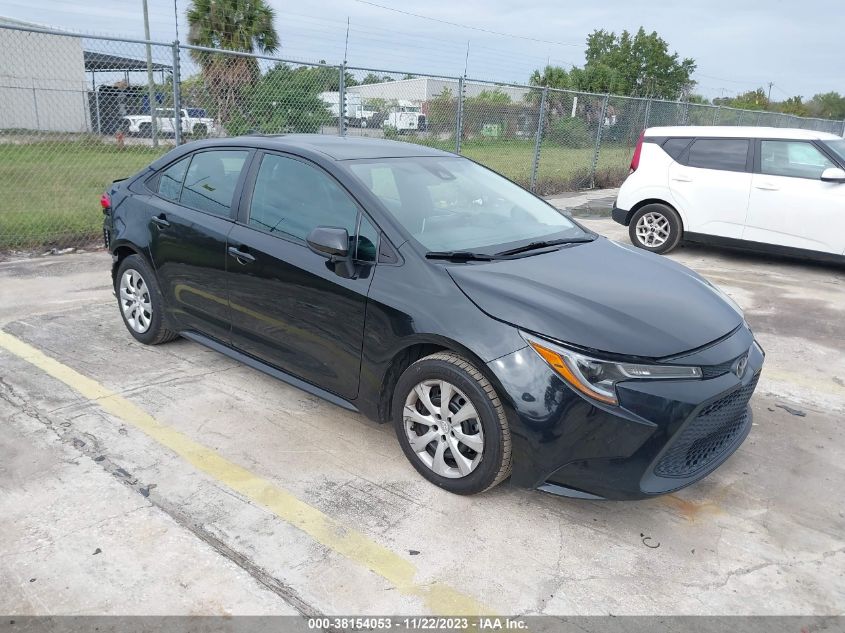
[653, 229]
[443, 428]
[135, 303]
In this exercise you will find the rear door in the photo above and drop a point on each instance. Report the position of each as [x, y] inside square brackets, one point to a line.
[289, 307]
[711, 181]
[192, 215]
[789, 204]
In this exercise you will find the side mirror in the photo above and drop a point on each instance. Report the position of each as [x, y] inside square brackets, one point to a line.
[329, 242]
[833, 174]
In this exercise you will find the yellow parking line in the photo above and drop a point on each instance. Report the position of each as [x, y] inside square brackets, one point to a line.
[439, 598]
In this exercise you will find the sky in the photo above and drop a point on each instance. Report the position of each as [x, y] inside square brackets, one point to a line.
[738, 45]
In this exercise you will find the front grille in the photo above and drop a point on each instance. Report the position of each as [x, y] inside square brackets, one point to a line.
[708, 436]
[711, 371]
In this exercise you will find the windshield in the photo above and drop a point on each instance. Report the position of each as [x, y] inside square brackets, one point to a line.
[453, 204]
[837, 147]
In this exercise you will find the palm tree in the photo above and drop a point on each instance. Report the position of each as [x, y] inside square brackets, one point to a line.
[234, 25]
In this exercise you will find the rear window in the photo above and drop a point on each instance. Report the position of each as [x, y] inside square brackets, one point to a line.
[676, 146]
[211, 179]
[726, 154]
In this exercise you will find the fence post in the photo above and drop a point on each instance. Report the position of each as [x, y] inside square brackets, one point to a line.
[716, 114]
[341, 102]
[647, 113]
[598, 141]
[538, 140]
[459, 117]
[843, 129]
[177, 95]
[97, 109]
[35, 105]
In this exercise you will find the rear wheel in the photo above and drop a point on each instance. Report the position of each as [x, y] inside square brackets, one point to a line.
[145, 129]
[451, 424]
[200, 130]
[655, 227]
[140, 301]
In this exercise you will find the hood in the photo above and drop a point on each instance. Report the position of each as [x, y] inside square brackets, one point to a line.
[603, 296]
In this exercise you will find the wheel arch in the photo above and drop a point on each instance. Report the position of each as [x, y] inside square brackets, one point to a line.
[121, 251]
[665, 203]
[412, 351]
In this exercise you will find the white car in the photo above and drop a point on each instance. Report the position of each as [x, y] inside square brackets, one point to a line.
[141, 124]
[768, 189]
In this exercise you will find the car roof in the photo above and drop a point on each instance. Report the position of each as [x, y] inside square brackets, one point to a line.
[329, 145]
[733, 131]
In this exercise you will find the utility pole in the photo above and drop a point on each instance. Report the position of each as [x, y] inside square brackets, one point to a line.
[769, 98]
[150, 83]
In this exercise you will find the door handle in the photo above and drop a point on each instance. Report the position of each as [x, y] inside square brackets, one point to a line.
[682, 178]
[242, 257]
[161, 220]
[767, 186]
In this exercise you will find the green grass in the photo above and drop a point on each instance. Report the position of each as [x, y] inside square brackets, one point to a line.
[50, 190]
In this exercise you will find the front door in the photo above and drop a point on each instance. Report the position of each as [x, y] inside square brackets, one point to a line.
[710, 183]
[192, 216]
[289, 307]
[790, 205]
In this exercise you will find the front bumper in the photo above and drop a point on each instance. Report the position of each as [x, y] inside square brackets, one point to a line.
[663, 435]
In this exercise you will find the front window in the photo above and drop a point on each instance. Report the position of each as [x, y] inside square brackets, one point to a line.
[796, 159]
[453, 204]
[837, 147]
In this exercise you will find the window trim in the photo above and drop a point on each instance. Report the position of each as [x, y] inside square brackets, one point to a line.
[236, 196]
[749, 155]
[758, 155]
[244, 206]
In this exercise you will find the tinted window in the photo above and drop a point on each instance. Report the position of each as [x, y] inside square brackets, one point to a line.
[792, 158]
[211, 180]
[727, 154]
[676, 146]
[170, 181]
[292, 197]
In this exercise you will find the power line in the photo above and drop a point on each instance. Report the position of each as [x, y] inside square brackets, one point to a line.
[466, 26]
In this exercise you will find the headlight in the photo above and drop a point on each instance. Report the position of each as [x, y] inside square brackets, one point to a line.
[597, 378]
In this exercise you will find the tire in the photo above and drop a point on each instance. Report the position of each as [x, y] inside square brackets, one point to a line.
[145, 130]
[200, 131]
[142, 307]
[656, 228]
[483, 426]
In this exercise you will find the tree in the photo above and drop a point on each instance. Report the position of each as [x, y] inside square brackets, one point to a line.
[285, 99]
[749, 100]
[830, 105]
[638, 65]
[372, 78]
[495, 96]
[235, 25]
[793, 105]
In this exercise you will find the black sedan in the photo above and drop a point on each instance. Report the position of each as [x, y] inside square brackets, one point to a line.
[498, 336]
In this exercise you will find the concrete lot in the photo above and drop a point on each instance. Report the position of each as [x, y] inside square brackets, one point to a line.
[171, 480]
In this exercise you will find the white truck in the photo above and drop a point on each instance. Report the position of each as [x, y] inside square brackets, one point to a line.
[142, 124]
[405, 117]
[357, 113]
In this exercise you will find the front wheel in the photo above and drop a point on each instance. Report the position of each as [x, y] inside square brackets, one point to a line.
[451, 424]
[656, 228]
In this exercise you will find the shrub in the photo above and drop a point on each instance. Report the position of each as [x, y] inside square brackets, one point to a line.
[571, 132]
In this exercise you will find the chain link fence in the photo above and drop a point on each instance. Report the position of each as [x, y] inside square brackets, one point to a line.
[78, 111]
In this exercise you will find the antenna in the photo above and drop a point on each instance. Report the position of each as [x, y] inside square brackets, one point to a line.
[176, 19]
[346, 45]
